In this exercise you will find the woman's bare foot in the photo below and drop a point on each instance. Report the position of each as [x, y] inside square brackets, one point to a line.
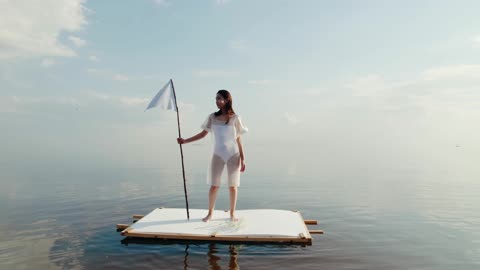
[207, 218]
[233, 218]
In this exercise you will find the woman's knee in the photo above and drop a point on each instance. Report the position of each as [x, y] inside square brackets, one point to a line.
[214, 188]
[233, 188]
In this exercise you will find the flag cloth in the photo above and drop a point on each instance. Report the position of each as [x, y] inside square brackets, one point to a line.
[164, 99]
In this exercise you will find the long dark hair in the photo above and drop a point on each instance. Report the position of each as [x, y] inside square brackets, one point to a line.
[228, 106]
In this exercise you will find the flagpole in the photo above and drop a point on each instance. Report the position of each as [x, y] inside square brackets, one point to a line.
[181, 151]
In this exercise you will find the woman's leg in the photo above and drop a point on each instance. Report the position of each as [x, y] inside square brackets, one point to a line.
[212, 197]
[233, 202]
[233, 168]
[216, 168]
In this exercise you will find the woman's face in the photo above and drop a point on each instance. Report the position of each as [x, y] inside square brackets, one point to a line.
[220, 101]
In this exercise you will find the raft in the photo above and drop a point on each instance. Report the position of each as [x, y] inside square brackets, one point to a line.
[254, 225]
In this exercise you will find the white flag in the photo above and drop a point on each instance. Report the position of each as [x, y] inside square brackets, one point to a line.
[164, 98]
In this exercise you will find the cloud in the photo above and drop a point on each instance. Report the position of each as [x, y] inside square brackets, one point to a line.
[115, 76]
[162, 3]
[46, 63]
[20, 103]
[237, 44]
[212, 73]
[77, 41]
[262, 82]
[222, 2]
[95, 71]
[108, 74]
[455, 72]
[374, 85]
[17, 104]
[476, 41]
[58, 100]
[291, 119]
[93, 58]
[33, 29]
[120, 77]
[8, 105]
[121, 100]
[316, 92]
[443, 89]
[186, 107]
[366, 85]
[134, 101]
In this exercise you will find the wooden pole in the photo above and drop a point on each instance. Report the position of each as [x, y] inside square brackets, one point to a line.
[181, 151]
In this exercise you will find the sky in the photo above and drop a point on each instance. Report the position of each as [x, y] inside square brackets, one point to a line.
[343, 80]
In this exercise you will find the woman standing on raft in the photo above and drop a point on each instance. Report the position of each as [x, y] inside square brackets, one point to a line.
[226, 127]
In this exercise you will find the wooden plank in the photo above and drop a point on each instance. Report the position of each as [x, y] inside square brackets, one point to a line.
[122, 226]
[127, 230]
[315, 232]
[138, 216]
[311, 222]
[218, 238]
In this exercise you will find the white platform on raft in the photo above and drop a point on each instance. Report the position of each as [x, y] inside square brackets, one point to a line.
[259, 225]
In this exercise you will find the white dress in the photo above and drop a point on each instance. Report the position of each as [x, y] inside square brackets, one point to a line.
[225, 151]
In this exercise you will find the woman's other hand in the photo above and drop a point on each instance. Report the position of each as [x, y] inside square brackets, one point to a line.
[242, 166]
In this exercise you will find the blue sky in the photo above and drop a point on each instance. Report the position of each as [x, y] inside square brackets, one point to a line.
[348, 76]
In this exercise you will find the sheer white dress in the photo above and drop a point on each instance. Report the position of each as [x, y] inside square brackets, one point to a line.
[225, 150]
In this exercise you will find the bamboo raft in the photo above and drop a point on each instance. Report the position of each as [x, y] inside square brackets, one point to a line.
[256, 225]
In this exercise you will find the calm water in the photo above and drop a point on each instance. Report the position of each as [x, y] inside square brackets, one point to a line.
[62, 215]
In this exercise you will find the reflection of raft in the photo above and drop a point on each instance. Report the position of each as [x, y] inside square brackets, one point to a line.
[258, 225]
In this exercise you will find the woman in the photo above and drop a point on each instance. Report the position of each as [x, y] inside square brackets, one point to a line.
[226, 127]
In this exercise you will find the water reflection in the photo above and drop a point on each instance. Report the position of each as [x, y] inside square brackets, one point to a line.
[214, 260]
[215, 253]
[185, 260]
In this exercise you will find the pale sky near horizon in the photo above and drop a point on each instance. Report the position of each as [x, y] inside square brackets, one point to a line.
[353, 77]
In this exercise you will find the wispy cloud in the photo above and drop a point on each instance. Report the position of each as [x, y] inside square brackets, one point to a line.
[121, 100]
[12, 104]
[129, 101]
[21, 103]
[8, 105]
[237, 44]
[262, 82]
[77, 41]
[186, 107]
[95, 71]
[291, 119]
[213, 73]
[33, 30]
[222, 2]
[315, 92]
[108, 74]
[162, 3]
[476, 41]
[93, 58]
[437, 89]
[120, 77]
[452, 72]
[366, 85]
[47, 62]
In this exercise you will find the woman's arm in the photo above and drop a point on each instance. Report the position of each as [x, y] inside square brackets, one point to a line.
[242, 155]
[197, 137]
